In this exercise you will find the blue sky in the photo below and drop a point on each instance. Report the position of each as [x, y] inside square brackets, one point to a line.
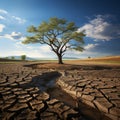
[99, 18]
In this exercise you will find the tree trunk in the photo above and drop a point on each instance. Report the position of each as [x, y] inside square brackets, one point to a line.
[60, 59]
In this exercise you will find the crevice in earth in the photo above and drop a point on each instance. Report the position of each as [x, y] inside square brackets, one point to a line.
[44, 81]
[104, 95]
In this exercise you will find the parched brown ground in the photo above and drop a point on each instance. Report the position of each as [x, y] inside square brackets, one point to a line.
[97, 86]
[23, 95]
[71, 65]
[27, 93]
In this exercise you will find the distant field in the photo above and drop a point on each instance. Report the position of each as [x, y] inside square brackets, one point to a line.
[112, 60]
[3, 60]
[7, 61]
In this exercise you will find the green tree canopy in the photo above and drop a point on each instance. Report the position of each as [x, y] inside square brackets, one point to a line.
[12, 57]
[59, 34]
[23, 57]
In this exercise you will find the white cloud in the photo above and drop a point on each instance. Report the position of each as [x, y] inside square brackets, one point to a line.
[42, 51]
[4, 15]
[3, 11]
[89, 51]
[90, 46]
[16, 35]
[13, 36]
[2, 18]
[31, 50]
[34, 54]
[100, 29]
[2, 27]
[19, 20]
[84, 54]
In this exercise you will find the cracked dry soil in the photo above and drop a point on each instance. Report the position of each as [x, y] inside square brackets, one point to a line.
[50, 92]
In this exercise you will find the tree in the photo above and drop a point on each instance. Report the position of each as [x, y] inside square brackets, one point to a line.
[89, 57]
[59, 34]
[12, 57]
[23, 57]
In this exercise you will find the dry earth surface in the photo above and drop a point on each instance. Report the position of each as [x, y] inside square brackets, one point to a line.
[110, 60]
[30, 91]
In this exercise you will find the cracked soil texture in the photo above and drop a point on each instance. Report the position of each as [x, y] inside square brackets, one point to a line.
[24, 94]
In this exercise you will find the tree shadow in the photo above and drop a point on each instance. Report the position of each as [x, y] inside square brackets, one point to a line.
[44, 81]
[69, 66]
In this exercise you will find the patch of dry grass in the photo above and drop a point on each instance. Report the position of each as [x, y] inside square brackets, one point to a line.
[112, 60]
